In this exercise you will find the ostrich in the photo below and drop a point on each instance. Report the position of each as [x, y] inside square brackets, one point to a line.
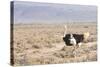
[74, 39]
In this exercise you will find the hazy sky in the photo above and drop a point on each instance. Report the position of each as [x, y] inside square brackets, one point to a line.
[30, 12]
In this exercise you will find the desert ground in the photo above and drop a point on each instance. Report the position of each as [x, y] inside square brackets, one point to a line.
[43, 44]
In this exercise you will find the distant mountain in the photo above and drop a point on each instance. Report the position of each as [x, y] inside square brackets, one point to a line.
[30, 12]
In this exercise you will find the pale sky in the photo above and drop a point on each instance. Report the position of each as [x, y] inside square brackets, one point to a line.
[30, 12]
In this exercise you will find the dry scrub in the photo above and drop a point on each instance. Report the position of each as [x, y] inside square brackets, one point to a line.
[42, 44]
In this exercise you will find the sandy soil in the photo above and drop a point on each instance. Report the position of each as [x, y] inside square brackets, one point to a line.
[43, 44]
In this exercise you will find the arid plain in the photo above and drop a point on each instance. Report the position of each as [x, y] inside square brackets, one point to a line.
[43, 43]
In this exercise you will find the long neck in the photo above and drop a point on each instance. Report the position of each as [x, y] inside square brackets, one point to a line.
[71, 36]
[65, 30]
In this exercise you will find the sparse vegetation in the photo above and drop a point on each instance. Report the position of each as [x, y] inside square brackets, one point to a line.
[38, 44]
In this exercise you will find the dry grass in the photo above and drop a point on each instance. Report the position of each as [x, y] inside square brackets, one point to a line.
[42, 44]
